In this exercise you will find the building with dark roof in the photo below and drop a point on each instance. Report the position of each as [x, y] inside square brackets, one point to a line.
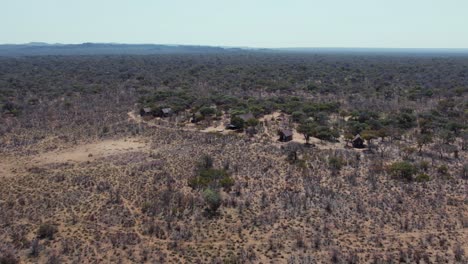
[285, 135]
[358, 142]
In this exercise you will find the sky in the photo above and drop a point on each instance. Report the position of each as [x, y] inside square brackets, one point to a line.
[244, 23]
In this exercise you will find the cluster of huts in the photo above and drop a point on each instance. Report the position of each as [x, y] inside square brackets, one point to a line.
[284, 134]
[160, 112]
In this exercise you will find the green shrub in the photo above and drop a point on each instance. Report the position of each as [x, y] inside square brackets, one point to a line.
[226, 182]
[298, 116]
[206, 162]
[325, 133]
[423, 177]
[402, 170]
[335, 163]
[198, 182]
[213, 178]
[443, 170]
[252, 122]
[423, 165]
[406, 120]
[354, 127]
[212, 199]
[207, 111]
[237, 122]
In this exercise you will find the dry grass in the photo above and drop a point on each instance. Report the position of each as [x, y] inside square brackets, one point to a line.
[276, 211]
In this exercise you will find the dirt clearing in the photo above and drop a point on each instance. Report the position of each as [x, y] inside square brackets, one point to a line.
[90, 152]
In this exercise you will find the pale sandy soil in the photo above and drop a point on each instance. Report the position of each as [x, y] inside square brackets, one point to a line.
[90, 152]
[270, 117]
[220, 128]
[10, 166]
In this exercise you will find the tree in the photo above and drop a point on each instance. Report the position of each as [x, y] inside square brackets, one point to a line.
[207, 111]
[354, 127]
[237, 122]
[298, 116]
[422, 140]
[307, 129]
[325, 133]
[252, 122]
[212, 199]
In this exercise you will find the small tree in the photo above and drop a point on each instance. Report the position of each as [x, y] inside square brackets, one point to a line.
[298, 116]
[206, 162]
[422, 140]
[335, 164]
[237, 122]
[252, 122]
[212, 199]
[307, 129]
[207, 111]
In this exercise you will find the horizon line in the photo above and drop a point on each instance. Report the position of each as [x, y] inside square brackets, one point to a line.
[38, 43]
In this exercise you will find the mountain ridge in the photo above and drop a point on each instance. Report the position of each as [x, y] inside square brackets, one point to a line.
[92, 48]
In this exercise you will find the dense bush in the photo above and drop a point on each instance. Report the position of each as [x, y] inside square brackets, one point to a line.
[312, 129]
[237, 122]
[209, 177]
[207, 111]
[403, 170]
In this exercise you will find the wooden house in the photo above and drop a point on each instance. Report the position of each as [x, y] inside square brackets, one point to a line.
[146, 111]
[285, 135]
[358, 142]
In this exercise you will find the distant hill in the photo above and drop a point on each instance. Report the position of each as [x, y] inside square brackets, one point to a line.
[39, 48]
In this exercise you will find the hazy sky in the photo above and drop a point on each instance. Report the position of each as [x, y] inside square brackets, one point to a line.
[254, 23]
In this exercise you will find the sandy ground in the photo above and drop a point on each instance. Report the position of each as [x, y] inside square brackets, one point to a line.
[10, 166]
[90, 152]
